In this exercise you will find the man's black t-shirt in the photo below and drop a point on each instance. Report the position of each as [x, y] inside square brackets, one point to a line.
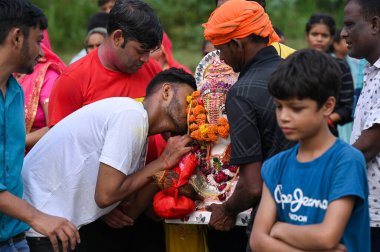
[255, 135]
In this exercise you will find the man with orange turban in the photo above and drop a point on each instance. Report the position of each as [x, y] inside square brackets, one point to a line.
[243, 33]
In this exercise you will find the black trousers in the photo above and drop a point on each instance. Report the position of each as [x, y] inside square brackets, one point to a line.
[375, 239]
[42, 244]
[233, 240]
[145, 235]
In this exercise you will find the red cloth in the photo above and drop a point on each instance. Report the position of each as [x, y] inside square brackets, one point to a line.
[87, 81]
[167, 203]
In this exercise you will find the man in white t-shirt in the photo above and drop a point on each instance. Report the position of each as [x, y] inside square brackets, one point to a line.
[94, 158]
[362, 33]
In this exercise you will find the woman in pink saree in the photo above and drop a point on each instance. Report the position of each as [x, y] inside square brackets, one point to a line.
[37, 87]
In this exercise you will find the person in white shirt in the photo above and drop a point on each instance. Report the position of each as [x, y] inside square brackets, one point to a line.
[362, 33]
[94, 158]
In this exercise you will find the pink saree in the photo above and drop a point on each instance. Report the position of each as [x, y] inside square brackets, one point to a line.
[32, 83]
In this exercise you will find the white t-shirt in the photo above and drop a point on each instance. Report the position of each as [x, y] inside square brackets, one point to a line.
[367, 114]
[60, 172]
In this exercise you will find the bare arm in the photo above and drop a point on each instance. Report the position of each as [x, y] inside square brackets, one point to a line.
[260, 239]
[50, 226]
[322, 236]
[248, 189]
[113, 185]
[368, 142]
[33, 137]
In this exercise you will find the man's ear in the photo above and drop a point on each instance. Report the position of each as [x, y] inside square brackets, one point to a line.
[17, 37]
[167, 91]
[117, 38]
[236, 43]
[375, 22]
[329, 105]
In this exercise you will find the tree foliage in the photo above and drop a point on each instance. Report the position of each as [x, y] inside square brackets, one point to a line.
[181, 19]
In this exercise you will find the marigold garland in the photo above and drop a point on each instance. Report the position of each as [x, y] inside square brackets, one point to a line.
[199, 129]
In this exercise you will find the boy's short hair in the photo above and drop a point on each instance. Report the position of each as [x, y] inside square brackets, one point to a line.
[306, 74]
[21, 14]
[173, 76]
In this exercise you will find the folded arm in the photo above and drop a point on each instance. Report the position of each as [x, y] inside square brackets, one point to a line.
[260, 239]
[323, 236]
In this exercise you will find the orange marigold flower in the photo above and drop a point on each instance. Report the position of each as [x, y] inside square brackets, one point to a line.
[196, 135]
[201, 117]
[193, 126]
[192, 118]
[199, 109]
[212, 137]
[214, 128]
[223, 132]
[222, 121]
[195, 94]
[194, 103]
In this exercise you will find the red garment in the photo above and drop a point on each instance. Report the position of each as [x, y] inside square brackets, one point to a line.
[87, 81]
[167, 50]
[168, 203]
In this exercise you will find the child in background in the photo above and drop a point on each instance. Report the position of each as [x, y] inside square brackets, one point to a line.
[319, 31]
[314, 194]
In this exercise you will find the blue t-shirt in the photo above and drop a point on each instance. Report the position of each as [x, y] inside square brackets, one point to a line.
[12, 150]
[303, 191]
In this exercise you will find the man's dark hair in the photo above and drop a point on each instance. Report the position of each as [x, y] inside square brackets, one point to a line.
[258, 39]
[21, 14]
[98, 20]
[174, 76]
[103, 2]
[370, 8]
[138, 22]
[306, 74]
[321, 18]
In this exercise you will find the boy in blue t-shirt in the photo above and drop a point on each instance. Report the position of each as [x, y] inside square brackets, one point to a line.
[314, 194]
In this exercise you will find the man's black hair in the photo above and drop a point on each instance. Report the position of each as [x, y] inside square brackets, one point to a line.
[306, 74]
[138, 22]
[98, 20]
[370, 8]
[258, 39]
[21, 14]
[174, 76]
[321, 18]
[103, 2]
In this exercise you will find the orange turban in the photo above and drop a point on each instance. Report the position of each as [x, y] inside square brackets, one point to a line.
[238, 19]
